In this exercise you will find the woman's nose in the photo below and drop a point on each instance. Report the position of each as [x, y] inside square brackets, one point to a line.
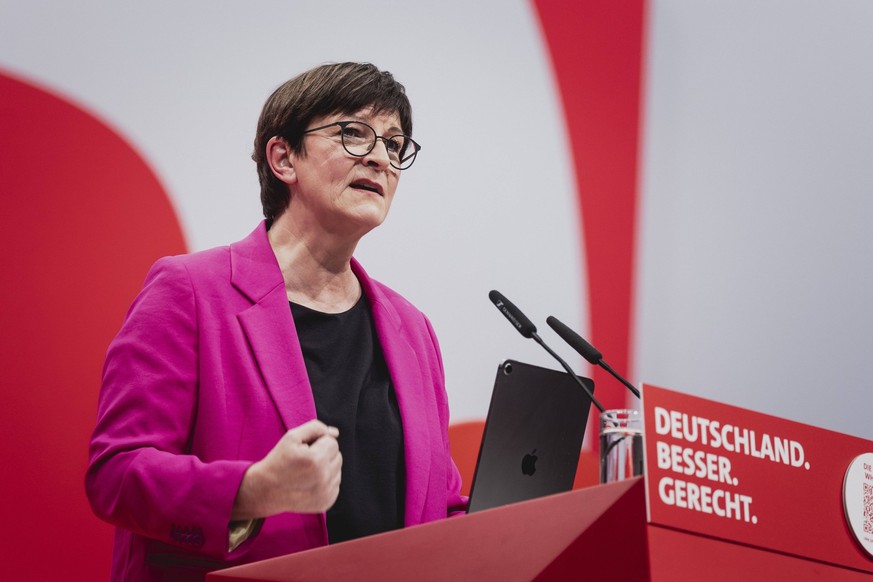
[378, 156]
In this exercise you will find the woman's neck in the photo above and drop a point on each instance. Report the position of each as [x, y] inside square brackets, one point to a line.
[316, 266]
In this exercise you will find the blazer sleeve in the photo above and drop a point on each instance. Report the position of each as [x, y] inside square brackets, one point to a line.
[141, 475]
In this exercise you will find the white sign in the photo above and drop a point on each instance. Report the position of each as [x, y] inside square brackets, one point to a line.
[858, 500]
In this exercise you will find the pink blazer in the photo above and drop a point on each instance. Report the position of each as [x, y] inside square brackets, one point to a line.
[204, 377]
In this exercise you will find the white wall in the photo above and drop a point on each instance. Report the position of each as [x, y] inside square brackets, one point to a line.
[757, 248]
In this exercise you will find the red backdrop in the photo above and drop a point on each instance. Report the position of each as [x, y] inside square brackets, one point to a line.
[82, 218]
[596, 48]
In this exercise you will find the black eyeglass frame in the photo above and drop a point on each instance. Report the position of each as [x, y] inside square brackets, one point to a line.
[415, 145]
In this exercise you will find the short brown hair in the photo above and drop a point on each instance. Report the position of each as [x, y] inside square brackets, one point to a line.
[343, 88]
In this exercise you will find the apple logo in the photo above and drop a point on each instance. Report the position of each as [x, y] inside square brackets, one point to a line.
[529, 462]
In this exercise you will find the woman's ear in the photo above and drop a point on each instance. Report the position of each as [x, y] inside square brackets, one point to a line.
[279, 156]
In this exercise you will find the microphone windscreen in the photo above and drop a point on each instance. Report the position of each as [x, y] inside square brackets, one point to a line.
[576, 341]
[513, 314]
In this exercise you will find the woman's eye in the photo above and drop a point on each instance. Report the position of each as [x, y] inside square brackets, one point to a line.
[395, 146]
[352, 132]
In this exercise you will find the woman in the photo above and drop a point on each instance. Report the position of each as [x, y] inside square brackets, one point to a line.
[270, 397]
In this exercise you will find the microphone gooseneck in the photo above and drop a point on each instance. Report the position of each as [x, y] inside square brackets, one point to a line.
[524, 326]
[586, 350]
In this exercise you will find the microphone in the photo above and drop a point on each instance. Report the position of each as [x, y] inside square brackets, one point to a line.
[513, 314]
[586, 350]
[524, 326]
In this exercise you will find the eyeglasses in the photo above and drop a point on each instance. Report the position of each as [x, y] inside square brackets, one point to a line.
[359, 139]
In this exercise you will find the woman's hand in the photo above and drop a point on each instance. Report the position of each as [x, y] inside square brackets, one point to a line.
[300, 474]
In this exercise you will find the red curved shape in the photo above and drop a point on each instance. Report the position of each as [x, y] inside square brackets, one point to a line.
[596, 48]
[83, 217]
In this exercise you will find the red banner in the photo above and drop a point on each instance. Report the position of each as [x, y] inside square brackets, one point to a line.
[748, 477]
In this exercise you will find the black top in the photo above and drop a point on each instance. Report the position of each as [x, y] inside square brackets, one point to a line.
[353, 392]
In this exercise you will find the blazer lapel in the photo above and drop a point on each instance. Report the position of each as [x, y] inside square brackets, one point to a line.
[269, 328]
[406, 376]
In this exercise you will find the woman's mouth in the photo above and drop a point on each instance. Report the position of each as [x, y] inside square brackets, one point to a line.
[369, 186]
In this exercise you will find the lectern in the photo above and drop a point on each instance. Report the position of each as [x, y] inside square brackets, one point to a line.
[729, 494]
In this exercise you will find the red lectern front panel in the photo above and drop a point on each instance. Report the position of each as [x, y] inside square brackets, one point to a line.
[747, 477]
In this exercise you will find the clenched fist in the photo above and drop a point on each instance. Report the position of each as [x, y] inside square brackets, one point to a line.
[300, 474]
